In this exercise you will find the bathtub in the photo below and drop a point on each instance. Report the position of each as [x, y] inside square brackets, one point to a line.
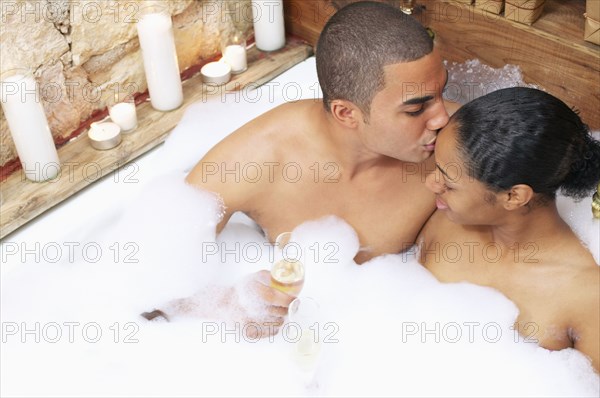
[75, 280]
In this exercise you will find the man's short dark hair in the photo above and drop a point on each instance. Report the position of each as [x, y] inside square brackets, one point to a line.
[355, 45]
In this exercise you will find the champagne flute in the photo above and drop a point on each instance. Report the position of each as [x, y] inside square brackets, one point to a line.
[304, 316]
[287, 272]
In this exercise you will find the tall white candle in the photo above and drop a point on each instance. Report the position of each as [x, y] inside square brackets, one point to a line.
[28, 126]
[269, 28]
[155, 32]
[235, 56]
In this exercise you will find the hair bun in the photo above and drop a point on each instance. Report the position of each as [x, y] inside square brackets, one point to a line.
[585, 170]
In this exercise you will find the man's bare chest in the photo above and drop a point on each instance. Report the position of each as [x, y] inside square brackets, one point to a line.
[386, 220]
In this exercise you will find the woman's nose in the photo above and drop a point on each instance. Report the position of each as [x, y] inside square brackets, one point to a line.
[434, 183]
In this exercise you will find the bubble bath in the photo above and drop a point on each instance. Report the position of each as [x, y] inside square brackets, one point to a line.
[71, 303]
[472, 79]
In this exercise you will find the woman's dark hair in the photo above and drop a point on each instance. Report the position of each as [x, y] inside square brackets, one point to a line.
[526, 136]
[355, 45]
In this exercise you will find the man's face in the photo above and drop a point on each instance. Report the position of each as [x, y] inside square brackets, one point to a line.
[407, 114]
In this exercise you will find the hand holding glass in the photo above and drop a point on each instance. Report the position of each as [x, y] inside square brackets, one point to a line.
[287, 272]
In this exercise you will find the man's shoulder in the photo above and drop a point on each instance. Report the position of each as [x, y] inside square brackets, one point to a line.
[254, 141]
[288, 114]
[265, 134]
[253, 148]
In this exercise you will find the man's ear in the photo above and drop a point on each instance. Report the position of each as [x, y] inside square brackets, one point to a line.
[517, 196]
[346, 113]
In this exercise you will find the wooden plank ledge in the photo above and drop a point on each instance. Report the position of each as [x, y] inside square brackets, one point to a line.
[23, 200]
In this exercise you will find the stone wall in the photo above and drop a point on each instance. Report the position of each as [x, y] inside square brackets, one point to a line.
[81, 51]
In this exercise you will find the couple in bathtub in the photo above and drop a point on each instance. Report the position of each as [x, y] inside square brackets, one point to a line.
[499, 162]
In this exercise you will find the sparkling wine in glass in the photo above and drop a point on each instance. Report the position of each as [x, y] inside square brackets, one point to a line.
[287, 272]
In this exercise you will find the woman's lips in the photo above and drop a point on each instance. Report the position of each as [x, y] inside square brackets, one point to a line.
[431, 145]
[440, 204]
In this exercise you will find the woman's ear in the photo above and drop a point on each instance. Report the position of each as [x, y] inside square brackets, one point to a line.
[518, 196]
[346, 113]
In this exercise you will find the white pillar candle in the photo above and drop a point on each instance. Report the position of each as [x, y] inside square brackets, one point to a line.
[28, 126]
[124, 115]
[235, 56]
[269, 28]
[155, 32]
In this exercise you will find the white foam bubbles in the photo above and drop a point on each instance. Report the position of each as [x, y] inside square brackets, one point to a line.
[472, 79]
[387, 327]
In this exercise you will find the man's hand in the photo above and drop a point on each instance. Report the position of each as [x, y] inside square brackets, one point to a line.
[258, 306]
[252, 305]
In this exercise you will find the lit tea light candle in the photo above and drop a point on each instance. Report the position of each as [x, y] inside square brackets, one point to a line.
[216, 73]
[235, 56]
[104, 135]
[124, 115]
[28, 125]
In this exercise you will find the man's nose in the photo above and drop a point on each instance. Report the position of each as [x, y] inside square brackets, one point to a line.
[440, 118]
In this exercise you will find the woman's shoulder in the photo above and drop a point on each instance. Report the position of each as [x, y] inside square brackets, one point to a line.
[586, 277]
[581, 275]
[583, 307]
[577, 259]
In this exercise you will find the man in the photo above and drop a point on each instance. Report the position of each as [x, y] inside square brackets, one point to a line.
[361, 153]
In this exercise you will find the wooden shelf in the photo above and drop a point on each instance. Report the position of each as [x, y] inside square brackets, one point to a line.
[564, 20]
[561, 20]
[23, 200]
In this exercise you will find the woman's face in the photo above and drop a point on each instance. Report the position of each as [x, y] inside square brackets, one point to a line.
[463, 199]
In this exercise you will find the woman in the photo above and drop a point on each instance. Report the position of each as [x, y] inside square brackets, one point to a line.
[499, 163]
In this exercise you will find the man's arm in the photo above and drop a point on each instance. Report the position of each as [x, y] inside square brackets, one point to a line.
[220, 171]
[251, 300]
[233, 304]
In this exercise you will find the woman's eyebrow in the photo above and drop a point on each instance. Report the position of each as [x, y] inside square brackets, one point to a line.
[442, 171]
